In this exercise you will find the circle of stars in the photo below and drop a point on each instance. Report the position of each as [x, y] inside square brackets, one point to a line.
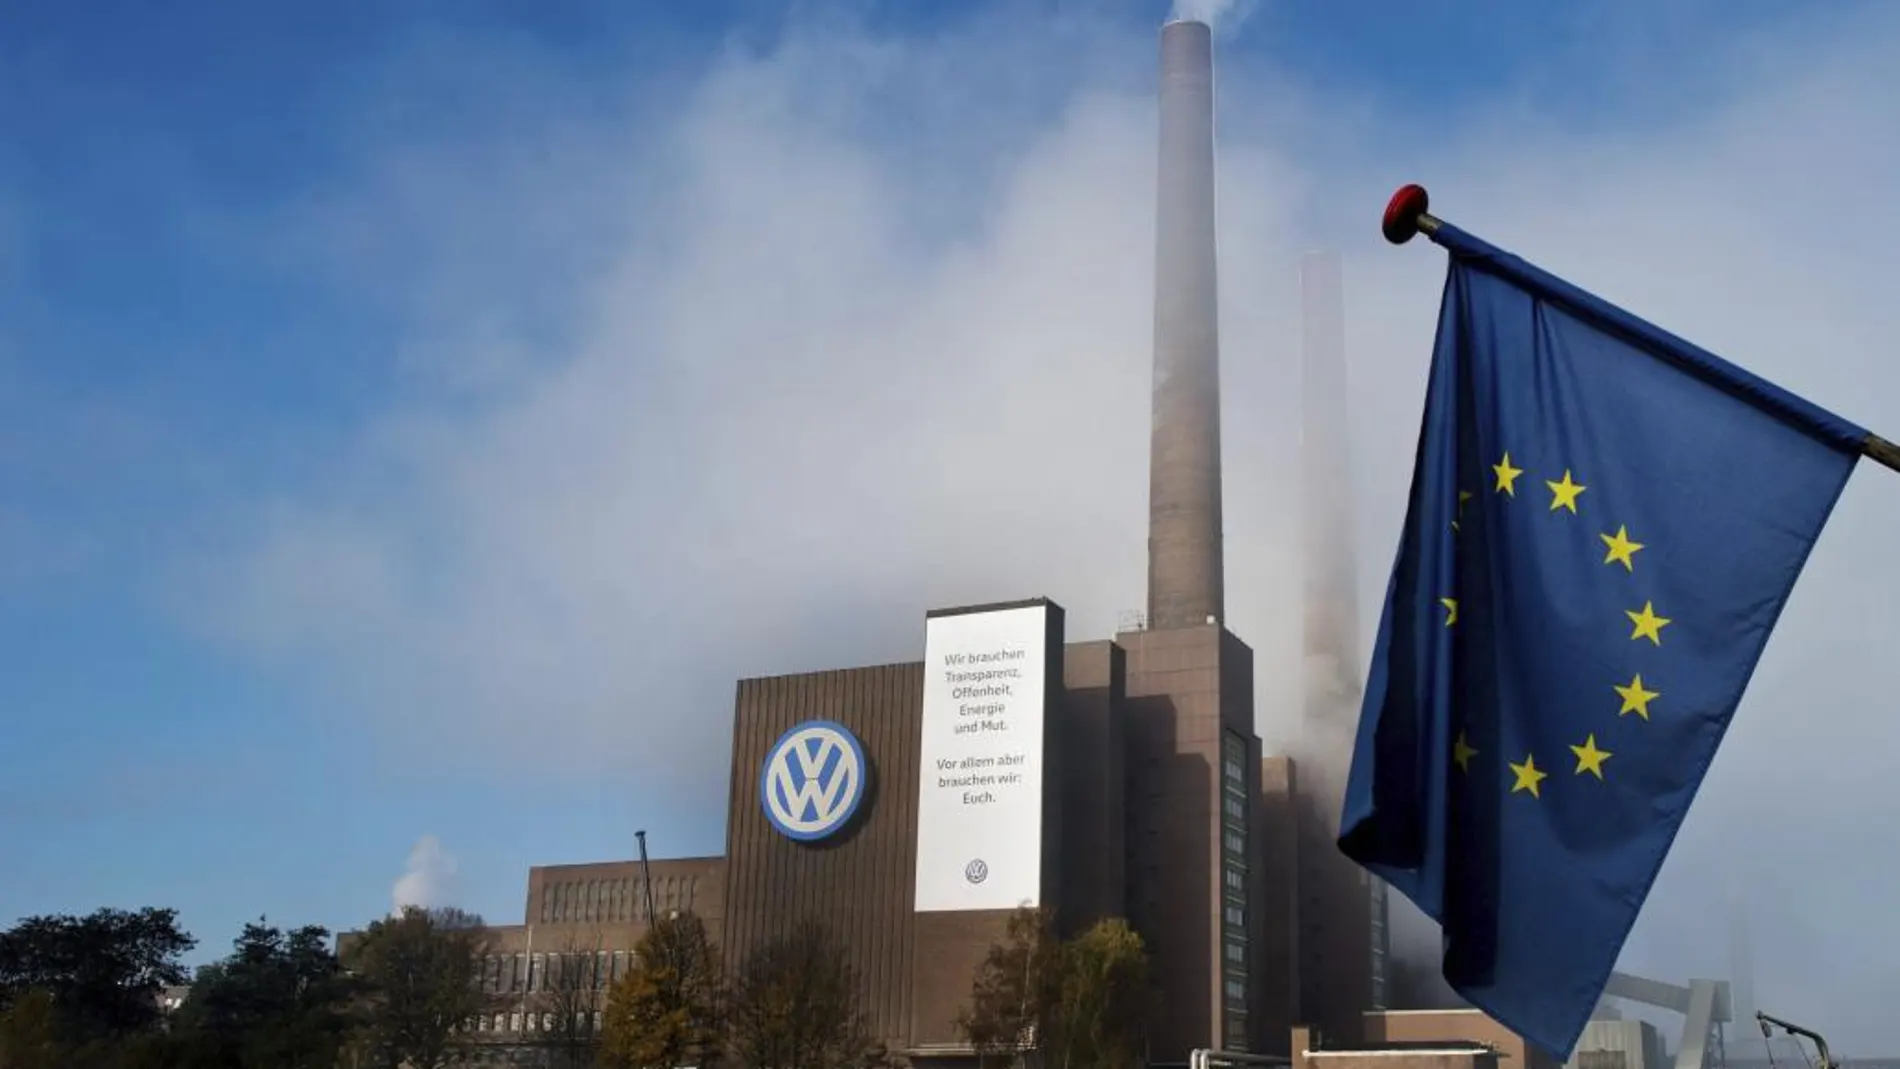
[1620, 549]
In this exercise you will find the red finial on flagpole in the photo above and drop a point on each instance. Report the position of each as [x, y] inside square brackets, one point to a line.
[1407, 213]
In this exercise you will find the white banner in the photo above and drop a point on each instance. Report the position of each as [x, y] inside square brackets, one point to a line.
[979, 799]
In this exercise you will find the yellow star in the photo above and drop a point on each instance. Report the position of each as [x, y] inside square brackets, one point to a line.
[1621, 548]
[1528, 777]
[1507, 475]
[1451, 610]
[1564, 494]
[1463, 496]
[1462, 753]
[1589, 758]
[1648, 624]
[1635, 698]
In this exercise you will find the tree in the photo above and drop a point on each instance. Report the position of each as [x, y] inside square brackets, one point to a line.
[1082, 1002]
[280, 1000]
[28, 1039]
[102, 972]
[1101, 1009]
[665, 1012]
[1015, 986]
[575, 989]
[795, 1006]
[419, 971]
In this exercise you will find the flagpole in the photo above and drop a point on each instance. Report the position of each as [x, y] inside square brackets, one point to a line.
[1408, 214]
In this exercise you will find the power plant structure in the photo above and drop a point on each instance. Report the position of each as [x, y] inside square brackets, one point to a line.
[912, 809]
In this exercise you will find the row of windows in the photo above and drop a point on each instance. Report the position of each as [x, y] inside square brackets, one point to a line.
[1381, 941]
[614, 900]
[530, 1022]
[545, 972]
[1234, 827]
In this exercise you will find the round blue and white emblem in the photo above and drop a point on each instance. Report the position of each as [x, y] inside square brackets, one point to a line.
[813, 780]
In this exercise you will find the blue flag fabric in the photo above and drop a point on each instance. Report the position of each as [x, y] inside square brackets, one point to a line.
[1604, 524]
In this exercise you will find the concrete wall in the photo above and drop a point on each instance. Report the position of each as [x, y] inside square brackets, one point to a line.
[1638, 1043]
[1470, 1026]
[1396, 1059]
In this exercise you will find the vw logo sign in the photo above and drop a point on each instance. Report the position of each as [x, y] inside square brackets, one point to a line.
[813, 780]
[976, 871]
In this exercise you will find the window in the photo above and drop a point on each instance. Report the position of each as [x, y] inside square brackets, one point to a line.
[1235, 811]
[1236, 1031]
[514, 1022]
[537, 972]
[596, 1020]
[620, 964]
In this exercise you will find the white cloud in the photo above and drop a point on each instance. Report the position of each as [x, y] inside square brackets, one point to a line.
[428, 879]
[1224, 16]
[812, 377]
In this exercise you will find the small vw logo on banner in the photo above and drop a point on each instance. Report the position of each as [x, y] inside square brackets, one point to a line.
[976, 871]
[813, 780]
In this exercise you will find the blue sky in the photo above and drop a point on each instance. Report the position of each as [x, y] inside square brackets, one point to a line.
[394, 398]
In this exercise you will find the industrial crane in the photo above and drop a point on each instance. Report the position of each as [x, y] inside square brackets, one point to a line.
[1769, 1024]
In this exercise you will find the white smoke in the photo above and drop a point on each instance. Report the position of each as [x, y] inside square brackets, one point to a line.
[428, 880]
[1218, 14]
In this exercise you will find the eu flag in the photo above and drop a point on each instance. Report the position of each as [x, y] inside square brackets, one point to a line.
[1604, 524]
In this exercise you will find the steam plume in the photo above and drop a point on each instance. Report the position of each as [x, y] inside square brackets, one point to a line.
[1218, 14]
[428, 880]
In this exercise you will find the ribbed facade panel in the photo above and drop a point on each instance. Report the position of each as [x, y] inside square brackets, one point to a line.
[858, 883]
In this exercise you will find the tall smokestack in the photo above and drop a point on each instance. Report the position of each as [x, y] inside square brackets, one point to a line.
[1333, 686]
[1185, 585]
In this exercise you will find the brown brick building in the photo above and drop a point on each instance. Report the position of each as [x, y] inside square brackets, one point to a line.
[1155, 804]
